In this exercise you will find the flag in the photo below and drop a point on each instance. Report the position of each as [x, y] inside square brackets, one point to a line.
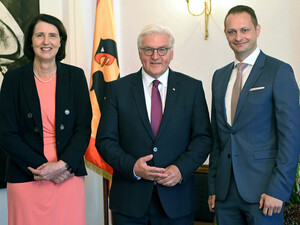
[105, 68]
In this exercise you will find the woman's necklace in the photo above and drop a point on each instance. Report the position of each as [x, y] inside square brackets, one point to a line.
[43, 81]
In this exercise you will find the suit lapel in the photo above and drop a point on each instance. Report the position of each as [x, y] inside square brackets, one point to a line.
[138, 93]
[139, 97]
[223, 88]
[31, 95]
[62, 89]
[253, 76]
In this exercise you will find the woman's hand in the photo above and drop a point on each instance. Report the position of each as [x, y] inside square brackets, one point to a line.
[49, 170]
[63, 177]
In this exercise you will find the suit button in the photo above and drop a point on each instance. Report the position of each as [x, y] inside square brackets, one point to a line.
[228, 156]
[62, 127]
[29, 115]
[233, 131]
[155, 149]
[67, 112]
[36, 129]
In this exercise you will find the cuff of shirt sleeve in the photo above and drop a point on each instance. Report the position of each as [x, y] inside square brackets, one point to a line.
[135, 176]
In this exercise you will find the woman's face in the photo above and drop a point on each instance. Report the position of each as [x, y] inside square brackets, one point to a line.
[45, 41]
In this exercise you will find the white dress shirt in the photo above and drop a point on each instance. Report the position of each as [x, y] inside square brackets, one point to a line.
[250, 60]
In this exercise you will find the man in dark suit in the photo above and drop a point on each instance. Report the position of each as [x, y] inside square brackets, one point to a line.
[153, 178]
[256, 144]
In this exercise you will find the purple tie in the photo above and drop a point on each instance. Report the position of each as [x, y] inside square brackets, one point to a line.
[156, 108]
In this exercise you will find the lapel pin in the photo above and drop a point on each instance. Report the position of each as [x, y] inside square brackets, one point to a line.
[67, 112]
[173, 89]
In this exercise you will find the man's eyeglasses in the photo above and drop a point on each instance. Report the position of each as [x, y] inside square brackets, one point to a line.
[160, 51]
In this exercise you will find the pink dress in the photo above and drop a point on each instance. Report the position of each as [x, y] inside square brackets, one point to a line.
[47, 203]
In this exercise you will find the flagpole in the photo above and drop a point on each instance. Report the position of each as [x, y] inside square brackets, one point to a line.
[105, 201]
[105, 68]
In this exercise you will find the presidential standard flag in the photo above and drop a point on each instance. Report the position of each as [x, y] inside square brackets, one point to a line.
[105, 68]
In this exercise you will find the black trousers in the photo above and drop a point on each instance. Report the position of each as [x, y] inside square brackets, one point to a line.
[154, 216]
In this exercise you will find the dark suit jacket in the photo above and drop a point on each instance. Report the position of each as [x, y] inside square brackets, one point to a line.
[125, 135]
[21, 132]
[263, 144]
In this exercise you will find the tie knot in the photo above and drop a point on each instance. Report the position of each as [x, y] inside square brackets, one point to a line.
[241, 66]
[155, 83]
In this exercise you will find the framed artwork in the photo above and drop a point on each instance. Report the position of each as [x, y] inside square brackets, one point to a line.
[14, 15]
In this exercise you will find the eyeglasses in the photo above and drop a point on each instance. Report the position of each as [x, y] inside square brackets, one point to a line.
[160, 51]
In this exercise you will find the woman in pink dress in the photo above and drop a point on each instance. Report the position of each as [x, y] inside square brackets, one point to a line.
[45, 119]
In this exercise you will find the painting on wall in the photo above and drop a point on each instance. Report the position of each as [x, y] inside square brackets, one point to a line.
[14, 15]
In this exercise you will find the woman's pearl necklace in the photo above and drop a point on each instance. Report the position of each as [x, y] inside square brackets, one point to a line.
[43, 81]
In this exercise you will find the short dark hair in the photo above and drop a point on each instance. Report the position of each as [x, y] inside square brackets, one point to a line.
[28, 50]
[241, 9]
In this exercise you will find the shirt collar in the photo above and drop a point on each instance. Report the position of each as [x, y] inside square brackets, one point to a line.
[163, 79]
[250, 59]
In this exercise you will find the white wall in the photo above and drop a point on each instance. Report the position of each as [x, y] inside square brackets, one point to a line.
[193, 55]
[3, 206]
[196, 56]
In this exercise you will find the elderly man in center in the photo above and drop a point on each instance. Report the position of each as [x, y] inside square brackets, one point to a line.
[154, 132]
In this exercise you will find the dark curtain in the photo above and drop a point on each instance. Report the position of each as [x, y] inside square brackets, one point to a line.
[21, 12]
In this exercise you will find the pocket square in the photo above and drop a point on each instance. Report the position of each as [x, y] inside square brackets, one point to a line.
[257, 88]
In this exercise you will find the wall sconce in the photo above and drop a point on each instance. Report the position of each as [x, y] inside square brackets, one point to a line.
[206, 11]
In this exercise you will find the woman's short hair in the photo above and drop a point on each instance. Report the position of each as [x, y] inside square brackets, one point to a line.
[28, 50]
[156, 29]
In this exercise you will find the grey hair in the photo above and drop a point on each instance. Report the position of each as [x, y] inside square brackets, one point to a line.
[155, 29]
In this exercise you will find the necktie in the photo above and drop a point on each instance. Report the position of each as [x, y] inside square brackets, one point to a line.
[156, 107]
[237, 87]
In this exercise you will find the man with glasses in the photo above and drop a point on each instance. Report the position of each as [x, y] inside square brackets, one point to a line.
[154, 132]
